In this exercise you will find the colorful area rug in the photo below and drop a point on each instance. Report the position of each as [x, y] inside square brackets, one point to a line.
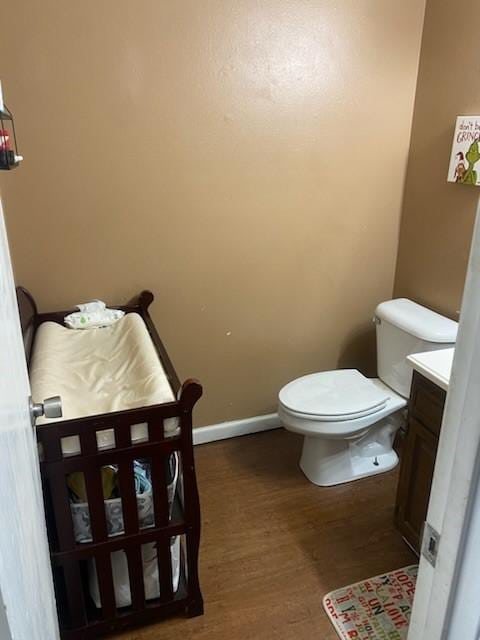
[375, 609]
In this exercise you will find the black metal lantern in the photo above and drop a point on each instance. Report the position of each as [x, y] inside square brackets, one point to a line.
[9, 156]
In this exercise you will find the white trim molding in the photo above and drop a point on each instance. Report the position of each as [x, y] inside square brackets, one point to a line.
[234, 428]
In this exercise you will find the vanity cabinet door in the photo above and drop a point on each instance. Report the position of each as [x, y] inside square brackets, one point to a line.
[426, 403]
[425, 414]
[416, 473]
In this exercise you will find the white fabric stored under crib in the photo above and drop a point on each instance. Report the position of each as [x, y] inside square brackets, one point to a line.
[98, 371]
[151, 582]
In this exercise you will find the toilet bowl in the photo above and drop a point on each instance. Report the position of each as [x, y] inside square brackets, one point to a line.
[342, 444]
[348, 421]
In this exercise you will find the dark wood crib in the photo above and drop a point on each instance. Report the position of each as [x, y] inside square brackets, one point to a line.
[79, 617]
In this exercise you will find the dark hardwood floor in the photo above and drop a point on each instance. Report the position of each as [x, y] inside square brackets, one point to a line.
[273, 544]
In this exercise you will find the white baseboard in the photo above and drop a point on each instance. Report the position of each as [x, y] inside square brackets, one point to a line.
[235, 428]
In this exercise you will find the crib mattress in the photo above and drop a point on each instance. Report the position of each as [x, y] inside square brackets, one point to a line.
[98, 371]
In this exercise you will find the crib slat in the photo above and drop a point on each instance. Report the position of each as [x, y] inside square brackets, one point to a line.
[74, 593]
[165, 569]
[61, 511]
[135, 573]
[105, 585]
[160, 493]
[51, 443]
[88, 442]
[128, 496]
[123, 437]
[156, 430]
[96, 507]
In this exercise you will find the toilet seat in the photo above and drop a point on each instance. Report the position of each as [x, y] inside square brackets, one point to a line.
[332, 396]
[345, 417]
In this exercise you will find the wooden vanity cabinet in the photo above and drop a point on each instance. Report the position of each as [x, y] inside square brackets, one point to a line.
[425, 414]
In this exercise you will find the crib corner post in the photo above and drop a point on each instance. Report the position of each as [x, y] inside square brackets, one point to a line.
[190, 392]
[195, 606]
[145, 299]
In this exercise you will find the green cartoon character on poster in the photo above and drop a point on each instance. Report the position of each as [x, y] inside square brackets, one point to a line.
[472, 157]
[464, 167]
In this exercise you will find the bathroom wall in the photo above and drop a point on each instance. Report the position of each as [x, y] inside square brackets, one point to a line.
[243, 160]
[438, 217]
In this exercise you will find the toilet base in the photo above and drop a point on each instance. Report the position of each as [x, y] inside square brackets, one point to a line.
[328, 462]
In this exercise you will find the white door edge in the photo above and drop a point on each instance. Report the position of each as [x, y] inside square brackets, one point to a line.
[27, 593]
[454, 497]
[4, 626]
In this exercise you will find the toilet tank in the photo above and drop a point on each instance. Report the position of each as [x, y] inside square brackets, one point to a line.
[405, 327]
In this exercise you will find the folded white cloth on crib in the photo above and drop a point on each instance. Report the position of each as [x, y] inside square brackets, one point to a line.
[93, 314]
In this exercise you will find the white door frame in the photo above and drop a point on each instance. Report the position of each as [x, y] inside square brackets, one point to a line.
[446, 607]
[27, 602]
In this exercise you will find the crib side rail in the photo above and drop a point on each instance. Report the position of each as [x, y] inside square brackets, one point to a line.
[142, 305]
[69, 556]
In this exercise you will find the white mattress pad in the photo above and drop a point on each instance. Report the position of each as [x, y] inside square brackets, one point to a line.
[97, 371]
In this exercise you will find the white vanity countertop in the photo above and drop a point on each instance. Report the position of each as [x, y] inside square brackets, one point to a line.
[434, 365]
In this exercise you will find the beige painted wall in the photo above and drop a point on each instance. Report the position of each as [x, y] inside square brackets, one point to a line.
[244, 160]
[437, 219]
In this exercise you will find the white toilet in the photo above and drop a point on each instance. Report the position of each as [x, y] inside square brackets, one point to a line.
[350, 421]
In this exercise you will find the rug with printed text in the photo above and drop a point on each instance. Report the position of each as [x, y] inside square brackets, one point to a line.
[375, 609]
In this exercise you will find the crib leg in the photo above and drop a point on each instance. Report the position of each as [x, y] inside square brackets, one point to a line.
[195, 607]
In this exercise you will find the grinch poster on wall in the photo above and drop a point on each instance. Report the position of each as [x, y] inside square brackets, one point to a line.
[465, 158]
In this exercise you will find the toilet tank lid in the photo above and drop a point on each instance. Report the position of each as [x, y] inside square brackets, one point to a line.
[418, 321]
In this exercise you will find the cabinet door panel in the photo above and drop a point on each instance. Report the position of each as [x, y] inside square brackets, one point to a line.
[415, 482]
[426, 403]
